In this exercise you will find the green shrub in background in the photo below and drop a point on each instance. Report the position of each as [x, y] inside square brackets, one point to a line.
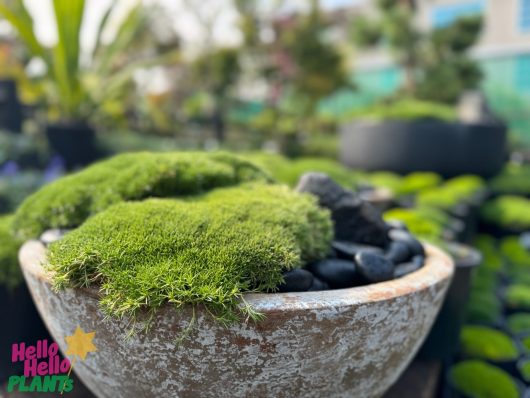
[385, 179]
[515, 253]
[10, 274]
[483, 307]
[454, 191]
[406, 110]
[69, 201]
[26, 150]
[14, 189]
[509, 212]
[519, 323]
[518, 297]
[206, 250]
[423, 222]
[513, 180]
[524, 369]
[486, 343]
[418, 181]
[491, 257]
[289, 171]
[479, 379]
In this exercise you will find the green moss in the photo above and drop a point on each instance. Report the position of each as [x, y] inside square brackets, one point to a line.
[415, 182]
[483, 307]
[70, 200]
[423, 223]
[477, 379]
[524, 369]
[486, 343]
[385, 179]
[289, 171]
[206, 250]
[509, 212]
[515, 253]
[519, 323]
[10, 274]
[514, 180]
[518, 296]
[408, 109]
[491, 257]
[526, 344]
[451, 193]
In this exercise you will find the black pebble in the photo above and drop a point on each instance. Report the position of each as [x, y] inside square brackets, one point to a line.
[406, 268]
[318, 285]
[296, 280]
[415, 246]
[336, 273]
[373, 267]
[398, 252]
[347, 250]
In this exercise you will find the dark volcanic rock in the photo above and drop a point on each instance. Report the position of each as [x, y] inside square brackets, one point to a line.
[336, 273]
[414, 245]
[346, 250]
[398, 252]
[373, 267]
[296, 280]
[405, 268]
[354, 220]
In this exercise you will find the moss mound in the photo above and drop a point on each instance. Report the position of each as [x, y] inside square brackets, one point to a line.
[486, 343]
[452, 192]
[70, 200]
[10, 274]
[509, 212]
[518, 296]
[519, 323]
[478, 379]
[208, 250]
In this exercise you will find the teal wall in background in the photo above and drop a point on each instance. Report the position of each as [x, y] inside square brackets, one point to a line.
[506, 84]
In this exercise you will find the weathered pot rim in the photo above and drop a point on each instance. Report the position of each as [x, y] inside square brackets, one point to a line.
[438, 267]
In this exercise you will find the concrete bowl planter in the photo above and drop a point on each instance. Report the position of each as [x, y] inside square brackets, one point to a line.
[446, 148]
[336, 343]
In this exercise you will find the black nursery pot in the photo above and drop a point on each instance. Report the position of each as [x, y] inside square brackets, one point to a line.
[75, 143]
[442, 342]
[21, 323]
[10, 107]
[448, 149]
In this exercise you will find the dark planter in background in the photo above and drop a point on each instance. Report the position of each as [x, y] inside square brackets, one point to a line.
[442, 341]
[75, 143]
[10, 107]
[449, 149]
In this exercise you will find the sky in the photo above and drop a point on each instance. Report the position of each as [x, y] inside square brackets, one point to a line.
[184, 21]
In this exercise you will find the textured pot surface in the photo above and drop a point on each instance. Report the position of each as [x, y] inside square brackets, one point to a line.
[338, 343]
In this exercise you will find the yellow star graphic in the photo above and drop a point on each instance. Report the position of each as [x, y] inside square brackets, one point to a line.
[80, 343]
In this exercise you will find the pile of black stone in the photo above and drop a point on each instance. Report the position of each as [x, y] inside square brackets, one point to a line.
[366, 248]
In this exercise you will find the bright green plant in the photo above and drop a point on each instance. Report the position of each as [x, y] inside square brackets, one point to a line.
[519, 323]
[487, 343]
[75, 91]
[453, 192]
[206, 250]
[405, 109]
[478, 379]
[526, 344]
[518, 296]
[418, 181]
[483, 307]
[514, 252]
[10, 275]
[422, 222]
[524, 369]
[510, 212]
[385, 179]
[69, 201]
[491, 257]
[514, 180]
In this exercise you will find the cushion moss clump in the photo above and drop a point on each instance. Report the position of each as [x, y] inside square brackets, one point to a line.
[478, 379]
[509, 212]
[69, 201]
[519, 323]
[208, 250]
[518, 296]
[10, 274]
[486, 343]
